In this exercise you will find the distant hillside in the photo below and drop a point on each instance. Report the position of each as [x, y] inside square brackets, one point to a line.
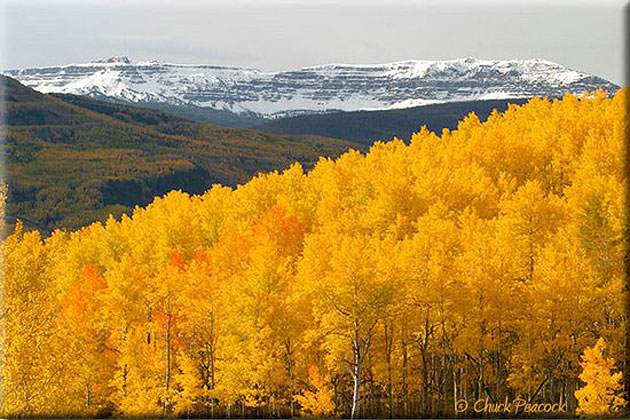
[73, 160]
[190, 112]
[367, 126]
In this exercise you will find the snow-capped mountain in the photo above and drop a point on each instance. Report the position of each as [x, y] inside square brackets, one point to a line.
[325, 88]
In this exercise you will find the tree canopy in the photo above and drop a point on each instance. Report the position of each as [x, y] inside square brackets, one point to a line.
[476, 263]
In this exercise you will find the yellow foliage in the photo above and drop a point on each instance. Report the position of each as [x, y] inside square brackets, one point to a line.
[319, 401]
[481, 260]
[601, 394]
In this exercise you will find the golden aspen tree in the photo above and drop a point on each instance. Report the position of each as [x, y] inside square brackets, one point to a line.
[319, 401]
[141, 376]
[489, 300]
[600, 395]
[164, 299]
[351, 293]
[200, 315]
[530, 216]
[85, 339]
[552, 333]
[124, 309]
[34, 354]
[271, 320]
[187, 384]
[429, 276]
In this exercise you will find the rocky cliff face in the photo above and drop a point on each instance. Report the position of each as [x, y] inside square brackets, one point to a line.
[326, 88]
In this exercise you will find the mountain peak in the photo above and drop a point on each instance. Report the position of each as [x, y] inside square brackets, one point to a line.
[117, 59]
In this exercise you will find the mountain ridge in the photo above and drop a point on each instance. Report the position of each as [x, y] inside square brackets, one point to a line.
[316, 89]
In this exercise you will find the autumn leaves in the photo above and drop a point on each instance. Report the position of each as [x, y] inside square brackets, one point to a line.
[475, 264]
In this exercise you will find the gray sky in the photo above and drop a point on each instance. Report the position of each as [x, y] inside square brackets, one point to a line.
[285, 34]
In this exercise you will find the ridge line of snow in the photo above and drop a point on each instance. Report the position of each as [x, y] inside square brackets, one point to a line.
[131, 63]
[322, 88]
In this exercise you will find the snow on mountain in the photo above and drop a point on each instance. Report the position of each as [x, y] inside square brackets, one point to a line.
[330, 87]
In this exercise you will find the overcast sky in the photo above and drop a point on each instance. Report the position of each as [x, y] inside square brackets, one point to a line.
[284, 34]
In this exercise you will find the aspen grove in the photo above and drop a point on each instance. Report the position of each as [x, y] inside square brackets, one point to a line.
[478, 263]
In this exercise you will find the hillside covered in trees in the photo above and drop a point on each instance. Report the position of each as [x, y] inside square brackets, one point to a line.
[73, 160]
[480, 263]
[367, 126]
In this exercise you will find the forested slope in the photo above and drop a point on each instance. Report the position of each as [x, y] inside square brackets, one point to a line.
[475, 264]
[367, 126]
[73, 160]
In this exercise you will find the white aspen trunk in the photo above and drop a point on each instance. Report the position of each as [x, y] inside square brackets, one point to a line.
[404, 375]
[356, 374]
[454, 387]
[88, 395]
[167, 380]
[388, 345]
